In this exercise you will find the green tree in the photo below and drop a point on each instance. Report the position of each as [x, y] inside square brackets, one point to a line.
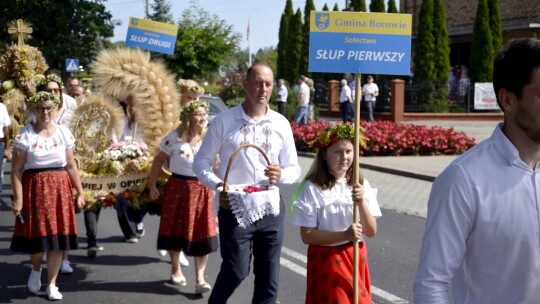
[325, 7]
[204, 44]
[284, 42]
[441, 53]
[294, 52]
[481, 60]
[161, 11]
[359, 5]
[268, 55]
[392, 7]
[304, 58]
[495, 24]
[336, 8]
[54, 31]
[377, 6]
[423, 61]
[442, 47]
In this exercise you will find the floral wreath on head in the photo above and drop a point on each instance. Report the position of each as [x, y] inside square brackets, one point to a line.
[41, 98]
[334, 134]
[190, 85]
[192, 106]
[41, 79]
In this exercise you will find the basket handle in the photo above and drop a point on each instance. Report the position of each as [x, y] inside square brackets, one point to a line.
[233, 156]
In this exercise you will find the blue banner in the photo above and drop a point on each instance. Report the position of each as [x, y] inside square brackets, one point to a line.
[152, 36]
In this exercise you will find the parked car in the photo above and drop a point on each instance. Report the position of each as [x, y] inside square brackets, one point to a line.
[216, 106]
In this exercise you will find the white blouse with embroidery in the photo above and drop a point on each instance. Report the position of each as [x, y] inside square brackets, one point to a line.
[180, 153]
[44, 152]
[331, 209]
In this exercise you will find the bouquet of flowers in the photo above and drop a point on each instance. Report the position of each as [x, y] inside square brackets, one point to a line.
[121, 158]
[121, 169]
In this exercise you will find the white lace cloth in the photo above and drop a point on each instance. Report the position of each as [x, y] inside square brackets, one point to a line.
[251, 207]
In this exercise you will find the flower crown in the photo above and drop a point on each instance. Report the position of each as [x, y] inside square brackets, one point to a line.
[41, 79]
[42, 98]
[334, 133]
[192, 106]
[190, 85]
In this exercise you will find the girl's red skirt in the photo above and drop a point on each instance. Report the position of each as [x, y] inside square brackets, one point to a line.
[330, 274]
[48, 212]
[187, 221]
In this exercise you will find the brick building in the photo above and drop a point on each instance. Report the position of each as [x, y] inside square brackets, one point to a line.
[520, 18]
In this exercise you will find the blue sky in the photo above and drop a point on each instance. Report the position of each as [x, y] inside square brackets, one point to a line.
[265, 16]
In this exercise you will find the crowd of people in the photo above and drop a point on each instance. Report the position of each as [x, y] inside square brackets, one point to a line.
[472, 225]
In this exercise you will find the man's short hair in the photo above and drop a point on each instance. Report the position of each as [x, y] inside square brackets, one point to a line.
[514, 65]
[343, 82]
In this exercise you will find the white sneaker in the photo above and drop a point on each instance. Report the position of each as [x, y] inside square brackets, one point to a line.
[162, 252]
[65, 267]
[53, 294]
[34, 281]
[140, 229]
[183, 261]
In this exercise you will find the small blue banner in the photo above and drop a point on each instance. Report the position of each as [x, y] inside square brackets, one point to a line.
[151, 35]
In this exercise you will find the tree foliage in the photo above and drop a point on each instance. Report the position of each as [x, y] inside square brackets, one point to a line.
[425, 45]
[359, 5]
[481, 60]
[63, 28]
[442, 46]
[336, 8]
[204, 44]
[284, 42]
[304, 58]
[392, 7]
[377, 6]
[294, 52]
[268, 55]
[325, 7]
[495, 24]
[161, 11]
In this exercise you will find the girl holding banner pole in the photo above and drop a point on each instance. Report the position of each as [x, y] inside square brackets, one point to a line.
[324, 211]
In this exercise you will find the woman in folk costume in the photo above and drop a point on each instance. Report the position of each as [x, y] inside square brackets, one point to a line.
[324, 211]
[187, 221]
[44, 173]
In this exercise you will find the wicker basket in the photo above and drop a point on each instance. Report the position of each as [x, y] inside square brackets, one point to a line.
[248, 207]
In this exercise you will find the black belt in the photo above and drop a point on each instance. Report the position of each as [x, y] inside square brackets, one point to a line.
[44, 170]
[184, 177]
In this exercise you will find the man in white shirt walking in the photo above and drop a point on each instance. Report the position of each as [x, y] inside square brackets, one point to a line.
[482, 236]
[282, 95]
[370, 91]
[302, 101]
[252, 122]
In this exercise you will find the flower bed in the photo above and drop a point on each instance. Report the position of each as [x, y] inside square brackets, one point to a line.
[386, 138]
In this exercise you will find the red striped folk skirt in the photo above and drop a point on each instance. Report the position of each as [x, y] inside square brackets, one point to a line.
[187, 221]
[48, 212]
[330, 274]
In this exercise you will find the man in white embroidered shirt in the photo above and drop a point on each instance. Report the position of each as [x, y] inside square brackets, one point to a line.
[482, 234]
[250, 122]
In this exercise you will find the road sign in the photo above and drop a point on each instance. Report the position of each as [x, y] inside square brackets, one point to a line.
[72, 65]
[356, 42]
[151, 35]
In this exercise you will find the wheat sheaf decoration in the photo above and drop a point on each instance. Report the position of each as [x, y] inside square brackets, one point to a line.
[152, 87]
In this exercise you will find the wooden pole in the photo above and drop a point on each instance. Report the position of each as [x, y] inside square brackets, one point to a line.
[356, 176]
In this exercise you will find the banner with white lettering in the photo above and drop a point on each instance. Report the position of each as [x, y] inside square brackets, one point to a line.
[152, 35]
[484, 96]
[356, 42]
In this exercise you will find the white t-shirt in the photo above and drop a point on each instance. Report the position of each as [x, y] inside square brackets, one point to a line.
[180, 153]
[331, 209]
[282, 94]
[370, 88]
[4, 119]
[345, 92]
[304, 90]
[44, 152]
